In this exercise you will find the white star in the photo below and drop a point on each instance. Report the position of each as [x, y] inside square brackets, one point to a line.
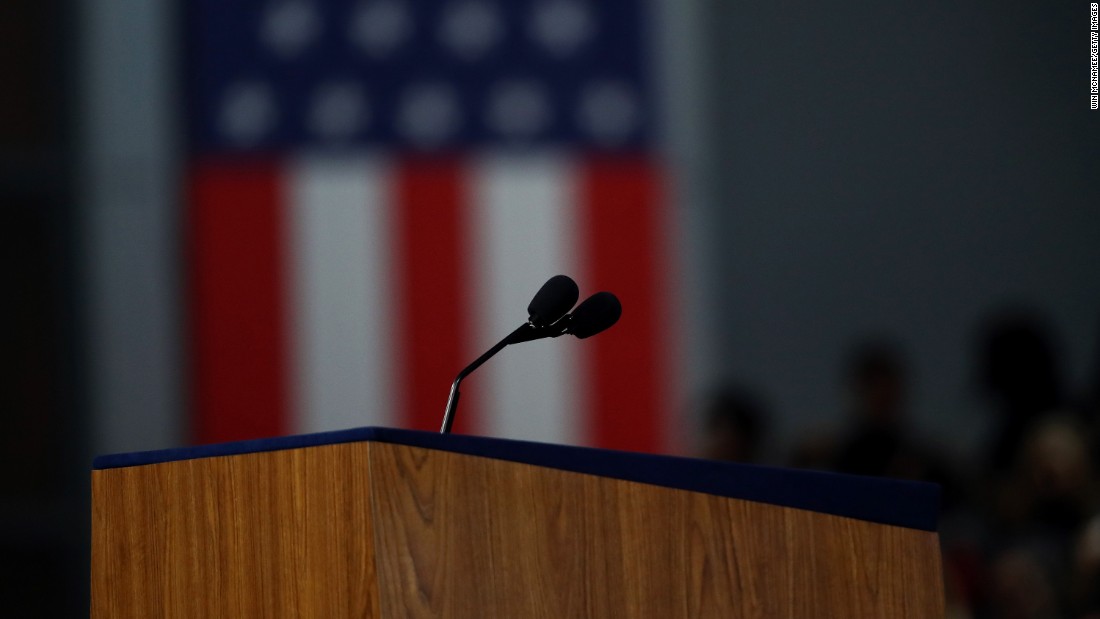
[429, 114]
[247, 112]
[378, 28]
[518, 109]
[562, 26]
[289, 26]
[470, 28]
[609, 111]
[338, 110]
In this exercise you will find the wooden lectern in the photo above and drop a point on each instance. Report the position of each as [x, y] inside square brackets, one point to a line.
[387, 523]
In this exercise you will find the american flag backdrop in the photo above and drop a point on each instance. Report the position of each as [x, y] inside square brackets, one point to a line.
[376, 188]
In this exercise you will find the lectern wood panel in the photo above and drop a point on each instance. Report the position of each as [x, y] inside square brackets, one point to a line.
[275, 534]
[464, 537]
[372, 529]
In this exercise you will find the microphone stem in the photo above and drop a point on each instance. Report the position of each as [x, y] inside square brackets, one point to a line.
[452, 401]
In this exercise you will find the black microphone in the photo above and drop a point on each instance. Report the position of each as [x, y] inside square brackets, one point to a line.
[556, 297]
[597, 313]
[547, 317]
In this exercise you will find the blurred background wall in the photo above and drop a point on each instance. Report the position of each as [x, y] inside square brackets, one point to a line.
[903, 170]
[837, 171]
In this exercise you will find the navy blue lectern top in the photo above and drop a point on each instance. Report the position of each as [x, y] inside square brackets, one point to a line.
[908, 504]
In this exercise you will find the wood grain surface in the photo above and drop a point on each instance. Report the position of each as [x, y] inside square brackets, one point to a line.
[377, 530]
[466, 537]
[276, 534]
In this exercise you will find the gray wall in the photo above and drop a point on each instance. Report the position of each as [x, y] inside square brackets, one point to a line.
[899, 168]
[131, 223]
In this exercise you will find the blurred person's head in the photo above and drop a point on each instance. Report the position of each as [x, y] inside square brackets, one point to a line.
[1056, 457]
[1022, 584]
[815, 450]
[1018, 369]
[1018, 363]
[1057, 468]
[1052, 485]
[1095, 376]
[734, 425]
[875, 380]
[1091, 409]
[1086, 570]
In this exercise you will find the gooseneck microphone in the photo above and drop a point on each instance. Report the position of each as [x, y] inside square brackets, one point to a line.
[548, 316]
[595, 314]
[556, 297]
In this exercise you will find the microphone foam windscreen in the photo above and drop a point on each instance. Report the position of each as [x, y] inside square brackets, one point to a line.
[594, 314]
[556, 297]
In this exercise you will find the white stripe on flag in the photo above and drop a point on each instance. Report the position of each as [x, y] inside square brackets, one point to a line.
[340, 256]
[523, 222]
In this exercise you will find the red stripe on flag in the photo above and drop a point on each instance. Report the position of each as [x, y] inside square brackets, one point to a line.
[432, 310]
[239, 326]
[621, 204]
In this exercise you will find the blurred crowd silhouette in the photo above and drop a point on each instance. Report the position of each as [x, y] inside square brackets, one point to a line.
[1020, 522]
